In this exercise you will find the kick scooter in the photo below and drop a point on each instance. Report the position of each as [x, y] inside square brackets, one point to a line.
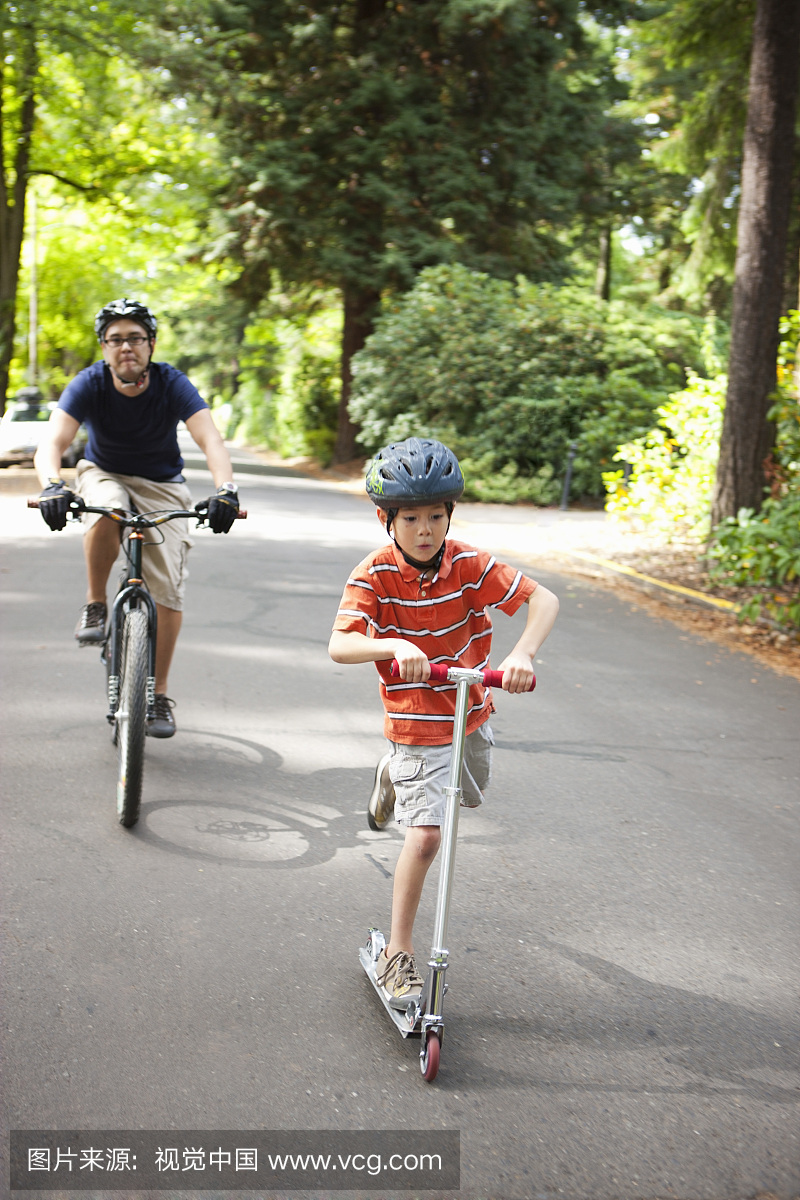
[424, 1016]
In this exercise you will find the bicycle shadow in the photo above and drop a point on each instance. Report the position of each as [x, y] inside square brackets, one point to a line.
[226, 799]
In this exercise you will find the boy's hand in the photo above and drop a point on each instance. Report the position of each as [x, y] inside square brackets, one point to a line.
[517, 671]
[413, 664]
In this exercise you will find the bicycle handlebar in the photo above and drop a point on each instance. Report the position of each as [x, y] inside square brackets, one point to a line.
[441, 674]
[145, 520]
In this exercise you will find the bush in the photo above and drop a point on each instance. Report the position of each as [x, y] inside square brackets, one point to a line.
[762, 549]
[290, 384]
[666, 485]
[510, 374]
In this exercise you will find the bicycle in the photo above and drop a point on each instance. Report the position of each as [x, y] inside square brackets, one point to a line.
[129, 649]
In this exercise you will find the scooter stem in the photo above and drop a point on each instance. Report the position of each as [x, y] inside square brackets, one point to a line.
[450, 832]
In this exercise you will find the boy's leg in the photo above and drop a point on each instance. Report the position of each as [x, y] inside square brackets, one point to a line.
[396, 967]
[419, 850]
[418, 774]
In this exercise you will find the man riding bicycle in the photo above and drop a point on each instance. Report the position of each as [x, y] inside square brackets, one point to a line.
[131, 407]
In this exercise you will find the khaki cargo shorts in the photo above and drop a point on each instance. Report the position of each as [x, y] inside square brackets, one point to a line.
[166, 548]
[421, 773]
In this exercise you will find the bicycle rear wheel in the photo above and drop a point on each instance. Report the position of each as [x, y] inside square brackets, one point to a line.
[131, 716]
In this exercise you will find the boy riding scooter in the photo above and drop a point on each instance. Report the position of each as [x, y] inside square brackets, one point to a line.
[419, 599]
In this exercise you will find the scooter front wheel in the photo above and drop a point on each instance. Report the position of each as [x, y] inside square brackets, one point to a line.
[429, 1057]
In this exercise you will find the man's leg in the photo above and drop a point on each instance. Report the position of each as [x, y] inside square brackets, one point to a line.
[169, 626]
[419, 850]
[100, 549]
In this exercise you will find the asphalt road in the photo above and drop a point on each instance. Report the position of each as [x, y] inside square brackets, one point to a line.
[622, 1016]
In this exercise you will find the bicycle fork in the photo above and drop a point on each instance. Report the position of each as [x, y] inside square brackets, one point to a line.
[131, 594]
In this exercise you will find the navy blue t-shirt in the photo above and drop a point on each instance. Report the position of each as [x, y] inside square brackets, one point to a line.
[133, 435]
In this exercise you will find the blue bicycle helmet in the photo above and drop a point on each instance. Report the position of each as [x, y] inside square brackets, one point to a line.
[416, 471]
[131, 309]
[412, 473]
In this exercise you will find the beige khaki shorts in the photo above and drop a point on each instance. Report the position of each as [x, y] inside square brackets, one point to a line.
[167, 547]
[421, 773]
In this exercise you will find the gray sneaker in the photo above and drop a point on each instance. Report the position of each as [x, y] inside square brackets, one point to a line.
[91, 627]
[160, 722]
[399, 978]
[381, 802]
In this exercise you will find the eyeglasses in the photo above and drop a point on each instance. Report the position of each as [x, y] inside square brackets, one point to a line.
[135, 339]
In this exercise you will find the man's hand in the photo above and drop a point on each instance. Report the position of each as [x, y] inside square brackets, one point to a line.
[222, 509]
[54, 503]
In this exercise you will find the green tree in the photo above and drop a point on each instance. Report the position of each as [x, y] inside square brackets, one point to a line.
[687, 62]
[373, 138]
[747, 435]
[74, 110]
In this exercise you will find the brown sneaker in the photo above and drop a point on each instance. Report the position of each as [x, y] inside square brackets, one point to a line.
[399, 978]
[381, 802]
[91, 627]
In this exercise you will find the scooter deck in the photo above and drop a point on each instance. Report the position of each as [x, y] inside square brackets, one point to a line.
[407, 1025]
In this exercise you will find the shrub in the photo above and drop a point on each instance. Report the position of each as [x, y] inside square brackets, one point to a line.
[762, 549]
[666, 485]
[510, 374]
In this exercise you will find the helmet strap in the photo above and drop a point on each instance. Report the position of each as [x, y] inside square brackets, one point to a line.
[139, 383]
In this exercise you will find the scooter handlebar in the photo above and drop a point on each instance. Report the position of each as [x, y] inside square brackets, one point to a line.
[439, 673]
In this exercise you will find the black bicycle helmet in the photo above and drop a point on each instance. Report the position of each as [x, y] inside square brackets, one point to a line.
[416, 471]
[131, 309]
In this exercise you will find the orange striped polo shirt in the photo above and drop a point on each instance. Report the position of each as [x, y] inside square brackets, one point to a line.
[445, 617]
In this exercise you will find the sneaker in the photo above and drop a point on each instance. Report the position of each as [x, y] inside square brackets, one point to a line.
[160, 721]
[91, 627]
[399, 978]
[381, 802]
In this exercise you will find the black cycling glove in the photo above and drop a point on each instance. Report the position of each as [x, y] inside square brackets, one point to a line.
[222, 509]
[54, 503]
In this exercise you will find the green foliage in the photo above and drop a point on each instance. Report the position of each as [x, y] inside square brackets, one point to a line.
[786, 410]
[511, 374]
[303, 419]
[762, 550]
[367, 141]
[689, 62]
[119, 177]
[287, 383]
[670, 470]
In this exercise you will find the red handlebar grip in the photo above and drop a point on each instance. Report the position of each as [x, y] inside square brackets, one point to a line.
[439, 675]
[439, 672]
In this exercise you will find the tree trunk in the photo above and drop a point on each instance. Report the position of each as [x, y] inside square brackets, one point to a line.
[791, 272]
[360, 307]
[13, 187]
[602, 280]
[747, 436]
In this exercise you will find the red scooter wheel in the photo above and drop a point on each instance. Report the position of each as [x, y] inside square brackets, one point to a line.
[429, 1058]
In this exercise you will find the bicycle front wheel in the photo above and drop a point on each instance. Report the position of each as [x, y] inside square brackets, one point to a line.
[131, 716]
